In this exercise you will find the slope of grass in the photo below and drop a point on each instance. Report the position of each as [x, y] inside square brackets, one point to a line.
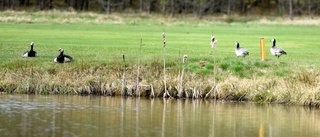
[98, 67]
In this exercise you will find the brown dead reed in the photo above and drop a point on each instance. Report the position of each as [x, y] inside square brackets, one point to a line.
[302, 88]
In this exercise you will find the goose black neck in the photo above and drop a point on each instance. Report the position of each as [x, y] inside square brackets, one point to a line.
[31, 47]
[238, 45]
[61, 53]
[274, 43]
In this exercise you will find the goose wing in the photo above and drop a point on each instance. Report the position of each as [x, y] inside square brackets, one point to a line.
[278, 50]
[25, 54]
[67, 58]
[243, 50]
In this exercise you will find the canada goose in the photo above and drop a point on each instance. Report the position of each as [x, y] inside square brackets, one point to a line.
[62, 58]
[276, 51]
[241, 52]
[30, 53]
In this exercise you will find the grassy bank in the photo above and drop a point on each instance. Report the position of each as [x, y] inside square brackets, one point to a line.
[98, 68]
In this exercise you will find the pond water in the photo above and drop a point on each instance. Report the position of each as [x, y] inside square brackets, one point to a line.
[36, 115]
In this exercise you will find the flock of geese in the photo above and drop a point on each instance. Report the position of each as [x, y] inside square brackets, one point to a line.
[240, 52]
[61, 58]
[275, 50]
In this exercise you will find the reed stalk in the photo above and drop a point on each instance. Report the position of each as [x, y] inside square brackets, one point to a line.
[138, 70]
[166, 93]
[195, 93]
[213, 45]
[152, 91]
[184, 61]
[179, 77]
[123, 79]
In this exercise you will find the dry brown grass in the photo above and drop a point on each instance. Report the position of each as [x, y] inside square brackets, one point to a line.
[296, 21]
[57, 16]
[301, 89]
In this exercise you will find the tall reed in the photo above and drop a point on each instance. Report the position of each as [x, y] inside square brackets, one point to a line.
[166, 93]
[180, 86]
[138, 70]
[213, 45]
[123, 79]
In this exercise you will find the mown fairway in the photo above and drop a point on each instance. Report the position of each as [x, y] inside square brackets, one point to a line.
[106, 42]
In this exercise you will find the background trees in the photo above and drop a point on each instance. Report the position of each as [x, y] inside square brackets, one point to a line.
[199, 8]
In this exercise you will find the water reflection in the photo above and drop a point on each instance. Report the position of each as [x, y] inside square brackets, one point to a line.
[28, 115]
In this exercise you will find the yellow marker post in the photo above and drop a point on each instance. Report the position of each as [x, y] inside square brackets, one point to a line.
[263, 50]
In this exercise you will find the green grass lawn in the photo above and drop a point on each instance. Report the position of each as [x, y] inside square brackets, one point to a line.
[97, 50]
[107, 42]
